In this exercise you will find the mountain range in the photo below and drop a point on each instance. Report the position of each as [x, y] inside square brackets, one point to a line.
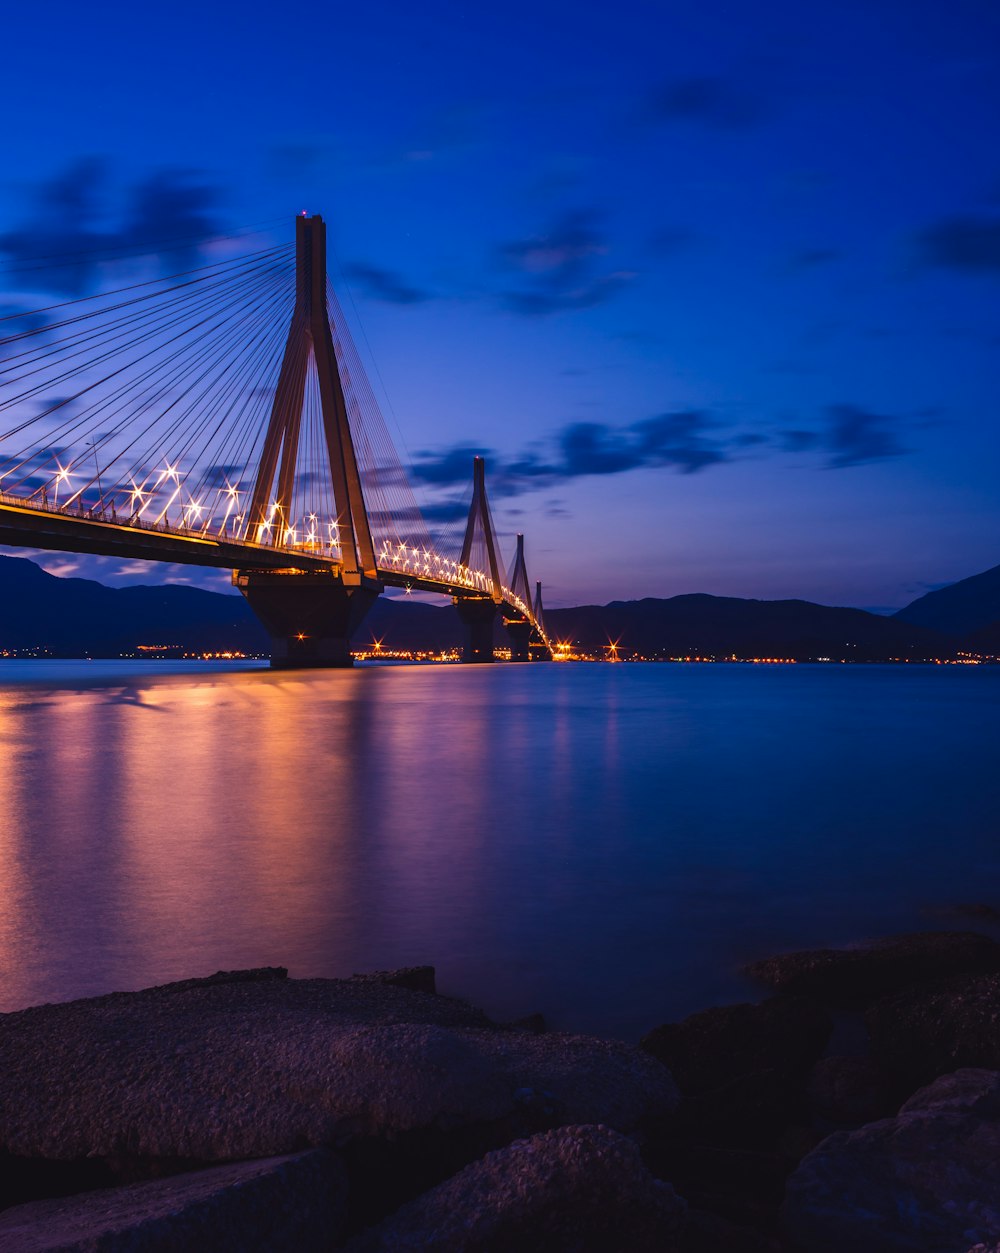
[68, 617]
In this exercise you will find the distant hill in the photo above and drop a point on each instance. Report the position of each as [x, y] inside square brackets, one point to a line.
[959, 609]
[78, 617]
[722, 626]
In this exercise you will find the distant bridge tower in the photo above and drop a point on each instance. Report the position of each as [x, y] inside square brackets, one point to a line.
[478, 613]
[310, 616]
[520, 629]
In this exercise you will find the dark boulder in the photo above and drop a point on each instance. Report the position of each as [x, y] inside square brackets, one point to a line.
[852, 978]
[741, 1068]
[213, 1071]
[713, 1047]
[922, 1182]
[925, 1032]
[416, 978]
[848, 1090]
[249, 1207]
[581, 1188]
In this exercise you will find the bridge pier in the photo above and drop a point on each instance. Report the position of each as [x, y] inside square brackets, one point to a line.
[520, 633]
[478, 615]
[309, 617]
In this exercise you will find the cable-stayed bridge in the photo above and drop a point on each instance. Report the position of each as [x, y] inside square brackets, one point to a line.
[221, 417]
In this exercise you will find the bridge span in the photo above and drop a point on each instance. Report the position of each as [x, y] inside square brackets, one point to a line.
[222, 418]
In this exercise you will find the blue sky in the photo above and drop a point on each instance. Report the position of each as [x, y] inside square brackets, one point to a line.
[714, 286]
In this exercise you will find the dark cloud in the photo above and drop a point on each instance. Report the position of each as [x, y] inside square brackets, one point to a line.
[445, 510]
[680, 441]
[76, 227]
[799, 441]
[849, 436]
[560, 269]
[174, 211]
[55, 245]
[453, 466]
[855, 437]
[384, 285]
[809, 258]
[221, 475]
[707, 101]
[971, 244]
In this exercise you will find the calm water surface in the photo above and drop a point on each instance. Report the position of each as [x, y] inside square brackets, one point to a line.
[603, 843]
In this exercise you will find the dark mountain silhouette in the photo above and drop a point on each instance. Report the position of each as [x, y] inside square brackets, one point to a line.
[720, 626]
[959, 609]
[77, 617]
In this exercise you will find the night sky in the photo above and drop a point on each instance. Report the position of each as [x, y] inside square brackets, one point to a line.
[714, 286]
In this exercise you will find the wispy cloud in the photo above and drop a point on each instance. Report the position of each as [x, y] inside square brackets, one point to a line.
[384, 285]
[686, 442]
[560, 268]
[76, 226]
[970, 244]
[712, 101]
[849, 436]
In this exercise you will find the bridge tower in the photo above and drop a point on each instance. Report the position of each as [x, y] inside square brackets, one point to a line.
[478, 613]
[520, 630]
[309, 616]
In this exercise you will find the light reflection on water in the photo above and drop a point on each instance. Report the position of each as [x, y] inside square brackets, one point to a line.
[602, 843]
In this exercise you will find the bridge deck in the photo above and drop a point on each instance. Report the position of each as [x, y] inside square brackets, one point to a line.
[25, 524]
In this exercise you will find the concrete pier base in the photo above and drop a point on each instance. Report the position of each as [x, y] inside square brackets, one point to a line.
[520, 638]
[478, 616]
[309, 617]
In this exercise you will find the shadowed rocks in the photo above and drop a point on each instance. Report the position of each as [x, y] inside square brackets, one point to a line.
[742, 1123]
[852, 978]
[928, 1031]
[582, 1188]
[922, 1182]
[409, 1086]
[848, 1090]
[254, 1207]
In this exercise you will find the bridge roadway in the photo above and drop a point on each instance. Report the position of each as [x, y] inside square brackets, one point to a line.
[32, 524]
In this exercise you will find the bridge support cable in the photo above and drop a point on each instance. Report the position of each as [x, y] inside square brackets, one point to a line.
[222, 417]
[126, 399]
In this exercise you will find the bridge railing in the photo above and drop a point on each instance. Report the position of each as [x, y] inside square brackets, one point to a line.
[109, 515]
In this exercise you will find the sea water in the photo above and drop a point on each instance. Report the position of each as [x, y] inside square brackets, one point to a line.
[606, 844]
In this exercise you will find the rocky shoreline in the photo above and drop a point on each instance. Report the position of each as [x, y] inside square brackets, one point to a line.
[856, 1106]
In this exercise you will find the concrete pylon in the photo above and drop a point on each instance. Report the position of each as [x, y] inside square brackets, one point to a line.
[478, 613]
[520, 629]
[310, 618]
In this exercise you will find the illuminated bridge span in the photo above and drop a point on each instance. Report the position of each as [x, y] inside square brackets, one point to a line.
[222, 417]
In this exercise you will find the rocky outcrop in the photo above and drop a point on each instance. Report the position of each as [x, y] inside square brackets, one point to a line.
[848, 1090]
[930, 1031]
[922, 1182]
[853, 978]
[295, 1202]
[582, 1188]
[238, 1067]
[711, 1048]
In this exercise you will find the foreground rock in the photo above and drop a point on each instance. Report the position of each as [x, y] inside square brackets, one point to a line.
[925, 1181]
[852, 978]
[848, 1090]
[253, 1207]
[930, 1031]
[581, 1188]
[237, 1067]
